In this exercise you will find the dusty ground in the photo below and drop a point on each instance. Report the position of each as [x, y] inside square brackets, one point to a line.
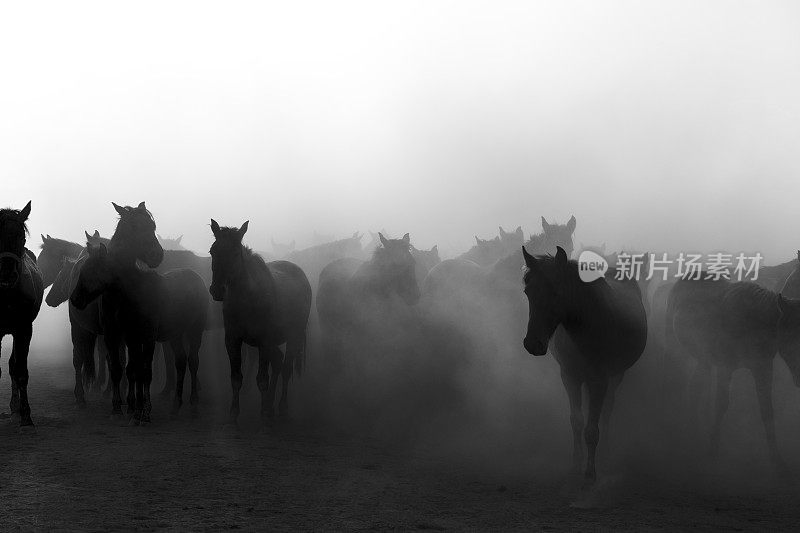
[82, 470]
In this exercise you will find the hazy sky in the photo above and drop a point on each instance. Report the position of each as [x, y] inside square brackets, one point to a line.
[657, 124]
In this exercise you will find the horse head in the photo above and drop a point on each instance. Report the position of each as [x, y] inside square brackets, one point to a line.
[545, 279]
[227, 256]
[135, 235]
[13, 232]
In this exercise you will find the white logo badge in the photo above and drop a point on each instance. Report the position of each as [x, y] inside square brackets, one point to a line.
[591, 266]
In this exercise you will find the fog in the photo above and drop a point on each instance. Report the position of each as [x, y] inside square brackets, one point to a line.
[667, 125]
[662, 126]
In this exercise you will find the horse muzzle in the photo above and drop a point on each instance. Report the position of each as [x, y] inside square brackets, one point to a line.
[217, 293]
[535, 347]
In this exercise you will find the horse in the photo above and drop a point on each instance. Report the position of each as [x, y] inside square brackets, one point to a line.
[263, 305]
[312, 260]
[424, 260]
[123, 313]
[598, 331]
[52, 255]
[171, 244]
[282, 250]
[352, 291]
[21, 291]
[731, 325]
[482, 295]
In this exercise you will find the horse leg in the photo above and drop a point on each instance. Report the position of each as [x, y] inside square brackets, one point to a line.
[82, 347]
[170, 366]
[102, 364]
[597, 388]
[573, 387]
[179, 354]
[22, 342]
[195, 340]
[115, 371]
[13, 404]
[262, 379]
[130, 373]
[146, 369]
[762, 375]
[720, 406]
[234, 347]
[605, 417]
[294, 350]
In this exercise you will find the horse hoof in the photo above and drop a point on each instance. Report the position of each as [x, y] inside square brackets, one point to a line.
[27, 429]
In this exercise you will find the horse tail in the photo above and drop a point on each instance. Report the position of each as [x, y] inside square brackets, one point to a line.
[88, 368]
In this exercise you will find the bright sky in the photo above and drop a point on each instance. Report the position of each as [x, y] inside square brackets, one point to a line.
[657, 124]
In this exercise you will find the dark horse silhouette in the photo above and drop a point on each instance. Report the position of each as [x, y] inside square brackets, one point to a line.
[52, 256]
[599, 330]
[263, 305]
[351, 290]
[730, 326]
[21, 291]
[129, 305]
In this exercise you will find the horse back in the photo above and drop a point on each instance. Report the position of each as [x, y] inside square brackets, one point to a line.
[184, 302]
[292, 295]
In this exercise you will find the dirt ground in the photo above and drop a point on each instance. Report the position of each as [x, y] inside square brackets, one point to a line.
[83, 470]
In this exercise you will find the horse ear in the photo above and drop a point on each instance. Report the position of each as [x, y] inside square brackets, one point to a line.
[571, 224]
[406, 239]
[477, 240]
[561, 256]
[214, 227]
[96, 234]
[141, 206]
[88, 237]
[48, 237]
[44, 239]
[545, 225]
[519, 231]
[530, 261]
[502, 233]
[120, 210]
[26, 211]
[178, 240]
[384, 241]
[435, 249]
[243, 229]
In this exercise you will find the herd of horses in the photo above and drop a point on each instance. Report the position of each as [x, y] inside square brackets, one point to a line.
[127, 294]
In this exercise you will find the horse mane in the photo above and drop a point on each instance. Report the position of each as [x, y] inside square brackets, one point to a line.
[60, 244]
[8, 211]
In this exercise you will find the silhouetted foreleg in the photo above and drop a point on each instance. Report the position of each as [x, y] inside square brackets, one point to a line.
[83, 342]
[605, 417]
[721, 403]
[101, 367]
[195, 340]
[234, 348]
[115, 371]
[597, 388]
[170, 368]
[763, 379]
[22, 342]
[573, 386]
[146, 369]
[179, 354]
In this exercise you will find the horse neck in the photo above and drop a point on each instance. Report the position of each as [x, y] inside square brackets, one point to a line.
[577, 299]
[120, 252]
[253, 275]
